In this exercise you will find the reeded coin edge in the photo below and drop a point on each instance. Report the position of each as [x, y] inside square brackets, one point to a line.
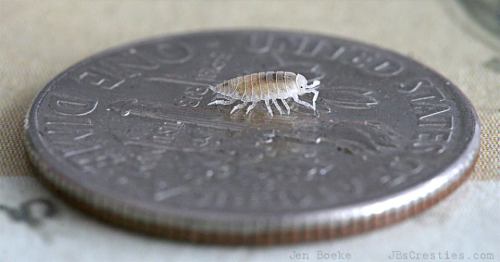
[315, 232]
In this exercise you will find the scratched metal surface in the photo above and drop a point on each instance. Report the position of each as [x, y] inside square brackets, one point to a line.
[129, 131]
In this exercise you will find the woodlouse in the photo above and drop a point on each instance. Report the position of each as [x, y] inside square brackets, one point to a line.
[269, 87]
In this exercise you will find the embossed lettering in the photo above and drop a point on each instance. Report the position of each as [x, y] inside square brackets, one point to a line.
[67, 121]
[76, 106]
[434, 118]
[96, 77]
[432, 140]
[353, 98]
[413, 85]
[192, 96]
[303, 46]
[94, 158]
[113, 71]
[64, 130]
[310, 47]
[369, 62]
[174, 53]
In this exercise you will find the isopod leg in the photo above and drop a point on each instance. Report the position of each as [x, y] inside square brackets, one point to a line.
[251, 107]
[268, 107]
[314, 84]
[222, 102]
[304, 103]
[238, 107]
[316, 93]
[286, 106]
[277, 106]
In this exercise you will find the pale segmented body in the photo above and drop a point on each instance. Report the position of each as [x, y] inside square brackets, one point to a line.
[267, 87]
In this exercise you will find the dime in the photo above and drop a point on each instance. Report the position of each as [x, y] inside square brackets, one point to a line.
[128, 136]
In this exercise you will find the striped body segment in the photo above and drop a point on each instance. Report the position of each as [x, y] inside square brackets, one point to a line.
[259, 86]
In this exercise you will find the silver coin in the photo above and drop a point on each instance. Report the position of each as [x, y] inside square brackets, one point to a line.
[127, 134]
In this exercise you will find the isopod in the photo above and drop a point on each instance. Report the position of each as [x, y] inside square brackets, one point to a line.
[265, 86]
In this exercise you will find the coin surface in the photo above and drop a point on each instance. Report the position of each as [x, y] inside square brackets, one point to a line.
[127, 135]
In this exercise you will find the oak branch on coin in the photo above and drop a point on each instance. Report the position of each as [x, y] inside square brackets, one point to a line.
[265, 86]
